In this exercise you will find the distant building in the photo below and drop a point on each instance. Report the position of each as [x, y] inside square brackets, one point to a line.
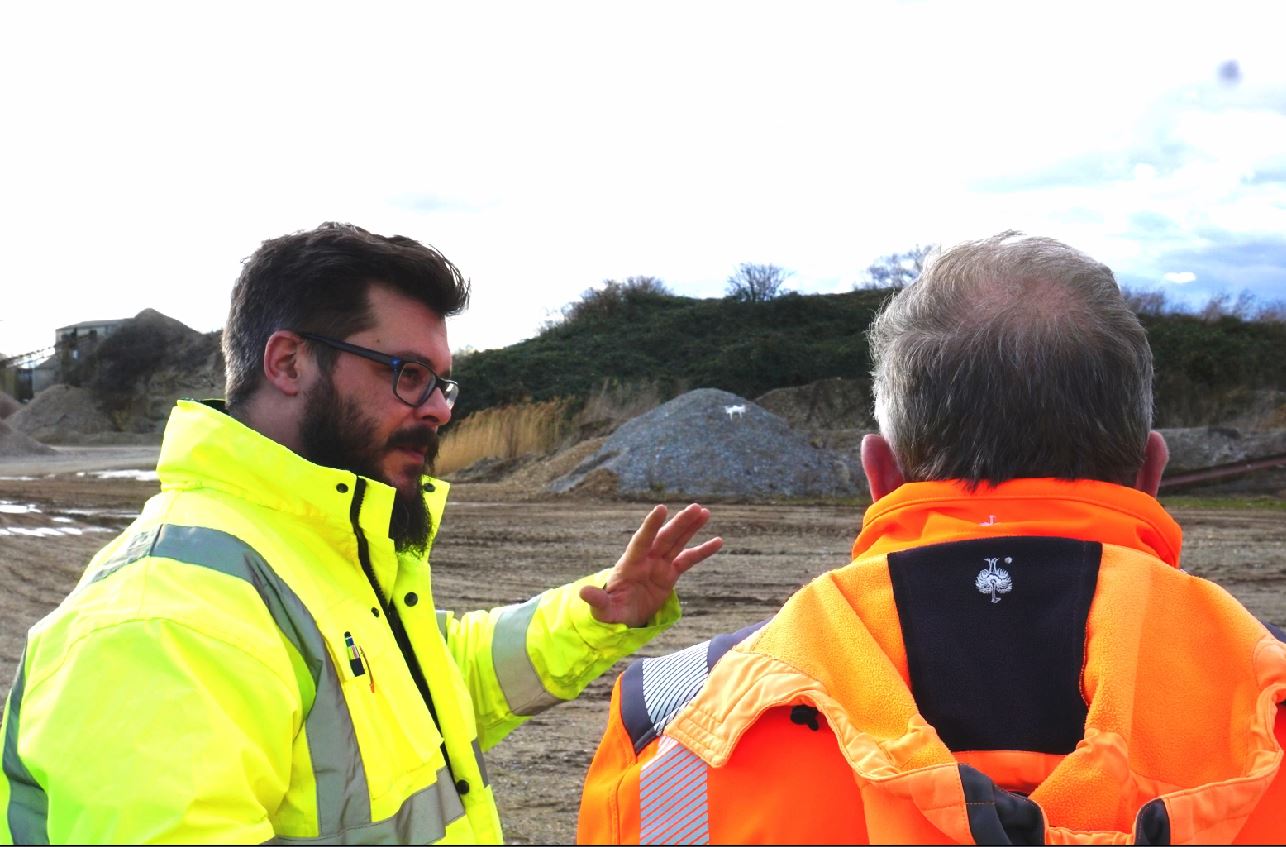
[75, 342]
[23, 376]
[41, 376]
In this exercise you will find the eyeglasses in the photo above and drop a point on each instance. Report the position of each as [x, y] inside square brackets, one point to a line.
[413, 380]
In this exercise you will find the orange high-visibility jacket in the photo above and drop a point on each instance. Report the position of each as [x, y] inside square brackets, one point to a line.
[1025, 663]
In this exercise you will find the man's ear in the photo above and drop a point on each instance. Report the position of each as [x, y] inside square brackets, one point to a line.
[285, 362]
[1155, 456]
[882, 473]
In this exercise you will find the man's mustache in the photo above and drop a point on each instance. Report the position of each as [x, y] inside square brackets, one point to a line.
[417, 438]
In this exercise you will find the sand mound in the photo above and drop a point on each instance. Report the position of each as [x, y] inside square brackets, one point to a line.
[693, 446]
[8, 405]
[13, 443]
[61, 413]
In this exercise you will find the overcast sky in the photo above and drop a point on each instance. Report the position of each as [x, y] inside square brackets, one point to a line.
[145, 150]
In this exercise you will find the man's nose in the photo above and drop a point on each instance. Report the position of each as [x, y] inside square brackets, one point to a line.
[434, 408]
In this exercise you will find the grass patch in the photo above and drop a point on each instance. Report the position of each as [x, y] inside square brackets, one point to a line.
[506, 432]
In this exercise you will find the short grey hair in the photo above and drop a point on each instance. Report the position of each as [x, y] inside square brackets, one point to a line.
[1013, 356]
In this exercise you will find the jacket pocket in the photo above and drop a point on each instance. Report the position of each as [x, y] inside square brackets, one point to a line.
[401, 749]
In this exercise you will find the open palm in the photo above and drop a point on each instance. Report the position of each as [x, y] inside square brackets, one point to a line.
[653, 561]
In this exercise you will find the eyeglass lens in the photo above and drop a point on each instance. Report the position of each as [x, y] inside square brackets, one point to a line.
[415, 383]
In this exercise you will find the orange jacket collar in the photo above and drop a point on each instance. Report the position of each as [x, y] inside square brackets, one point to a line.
[937, 512]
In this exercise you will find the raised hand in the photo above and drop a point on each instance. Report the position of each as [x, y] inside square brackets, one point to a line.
[654, 560]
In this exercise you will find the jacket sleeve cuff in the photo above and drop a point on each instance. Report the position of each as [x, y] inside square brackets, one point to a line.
[619, 635]
[586, 647]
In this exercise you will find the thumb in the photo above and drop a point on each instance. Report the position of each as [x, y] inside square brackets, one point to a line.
[596, 597]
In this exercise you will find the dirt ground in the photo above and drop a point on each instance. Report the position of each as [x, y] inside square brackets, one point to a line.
[496, 549]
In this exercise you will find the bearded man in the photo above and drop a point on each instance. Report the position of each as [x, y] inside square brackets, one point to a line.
[258, 656]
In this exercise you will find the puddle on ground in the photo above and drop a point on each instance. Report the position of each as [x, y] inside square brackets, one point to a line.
[30, 520]
[51, 531]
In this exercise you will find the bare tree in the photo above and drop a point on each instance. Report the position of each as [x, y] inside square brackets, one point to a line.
[757, 283]
[1273, 310]
[1224, 305]
[898, 270]
[1146, 302]
[611, 298]
[645, 285]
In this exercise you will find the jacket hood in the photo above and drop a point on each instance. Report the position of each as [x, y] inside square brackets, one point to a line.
[935, 512]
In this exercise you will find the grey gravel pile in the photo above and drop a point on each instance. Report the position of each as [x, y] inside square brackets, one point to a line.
[61, 413]
[8, 405]
[693, 447]
[14, 443]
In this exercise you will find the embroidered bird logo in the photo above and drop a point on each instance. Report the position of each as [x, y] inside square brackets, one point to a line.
[993, 580]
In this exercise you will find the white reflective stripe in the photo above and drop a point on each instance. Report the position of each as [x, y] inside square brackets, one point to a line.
[28, 811]
[343, 799]
[673, 804]
[482, 764]
[670, 682]
[521, 685]
[422, 819]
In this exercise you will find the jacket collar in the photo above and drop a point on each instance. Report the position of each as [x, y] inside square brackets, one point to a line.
[938, 512]
[204, 447]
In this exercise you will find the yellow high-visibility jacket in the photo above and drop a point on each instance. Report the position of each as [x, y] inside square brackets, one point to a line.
[225, 673]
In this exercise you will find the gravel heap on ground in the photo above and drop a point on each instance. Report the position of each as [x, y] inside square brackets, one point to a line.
[13, 443]
[8, 405]
[827, 404]
[693, 447]
[61, 413]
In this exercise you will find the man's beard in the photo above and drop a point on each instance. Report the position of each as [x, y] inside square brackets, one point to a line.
[336, 434]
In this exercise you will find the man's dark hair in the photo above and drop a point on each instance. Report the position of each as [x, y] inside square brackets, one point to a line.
[1011, 357]
[317, 281]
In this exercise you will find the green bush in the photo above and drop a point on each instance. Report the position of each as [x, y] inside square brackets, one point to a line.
[1206, 369]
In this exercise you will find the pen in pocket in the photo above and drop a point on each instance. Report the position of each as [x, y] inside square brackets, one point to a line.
[354, 655]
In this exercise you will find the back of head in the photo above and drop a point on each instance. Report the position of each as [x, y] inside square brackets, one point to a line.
[1013, 357]
[317, 281]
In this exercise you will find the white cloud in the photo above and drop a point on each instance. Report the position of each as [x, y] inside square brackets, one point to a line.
[1179, 277]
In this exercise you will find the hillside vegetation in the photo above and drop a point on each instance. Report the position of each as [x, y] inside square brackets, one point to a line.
[676, 343]
[1208, 369]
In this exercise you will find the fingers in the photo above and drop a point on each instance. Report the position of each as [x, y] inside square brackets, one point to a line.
[681, 529]
[644, 537]
[696, 555]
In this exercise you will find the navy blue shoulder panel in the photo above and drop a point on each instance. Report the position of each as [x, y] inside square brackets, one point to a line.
[1276, 630]
[654, 690]
[994, 630]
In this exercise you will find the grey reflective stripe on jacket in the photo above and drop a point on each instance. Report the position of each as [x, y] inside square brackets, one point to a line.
[343, 799]
[523, 690]
[28, 811]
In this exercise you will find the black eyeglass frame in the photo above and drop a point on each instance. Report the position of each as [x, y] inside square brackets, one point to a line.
[450, 388]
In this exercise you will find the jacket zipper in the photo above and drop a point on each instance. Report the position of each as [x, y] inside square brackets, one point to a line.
[395, 624]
